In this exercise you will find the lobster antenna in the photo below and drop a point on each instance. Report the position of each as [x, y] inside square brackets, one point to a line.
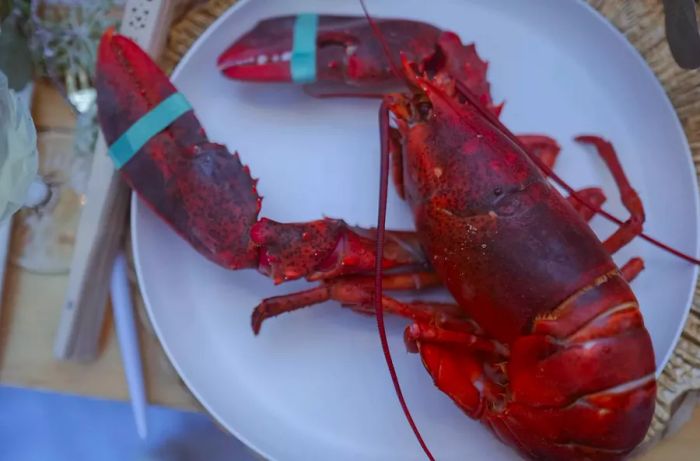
[464, 91]
[379, 250]
[378, 306]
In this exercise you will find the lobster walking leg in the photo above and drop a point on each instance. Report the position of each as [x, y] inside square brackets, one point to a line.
[592, 195]
[543, 147]
[427, 333]
[630, 199]
[632, 268]
[356, 292]
[442, 315]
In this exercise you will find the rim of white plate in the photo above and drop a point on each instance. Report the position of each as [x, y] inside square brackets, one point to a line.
[588, 9]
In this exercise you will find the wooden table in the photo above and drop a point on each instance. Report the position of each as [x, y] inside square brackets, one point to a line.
[29, 317]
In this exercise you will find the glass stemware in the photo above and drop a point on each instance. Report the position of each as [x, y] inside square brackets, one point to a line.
[44, 229]
[39, 190]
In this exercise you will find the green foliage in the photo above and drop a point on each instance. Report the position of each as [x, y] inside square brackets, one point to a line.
[60, 41]
[65, 41]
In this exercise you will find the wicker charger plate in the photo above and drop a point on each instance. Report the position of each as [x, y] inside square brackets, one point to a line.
[642, 21]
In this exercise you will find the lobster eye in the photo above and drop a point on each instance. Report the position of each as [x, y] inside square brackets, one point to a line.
[425, 109]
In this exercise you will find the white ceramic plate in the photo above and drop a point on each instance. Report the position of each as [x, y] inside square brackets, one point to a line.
[314, 385]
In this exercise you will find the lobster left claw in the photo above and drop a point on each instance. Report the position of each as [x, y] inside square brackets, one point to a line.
[341, 55]
[330, 54]
[263, 54]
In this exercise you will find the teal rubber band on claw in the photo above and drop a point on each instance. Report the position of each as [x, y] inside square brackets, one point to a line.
[149, 125]
[303, 62]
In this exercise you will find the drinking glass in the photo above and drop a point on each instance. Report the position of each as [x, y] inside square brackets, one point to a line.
[44, 232]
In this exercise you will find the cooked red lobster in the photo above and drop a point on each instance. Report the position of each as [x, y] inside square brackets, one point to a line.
[545, 343]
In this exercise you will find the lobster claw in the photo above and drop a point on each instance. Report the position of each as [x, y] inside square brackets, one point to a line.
[330, 54]
[197, 187]
[342, 55]
[263, 54]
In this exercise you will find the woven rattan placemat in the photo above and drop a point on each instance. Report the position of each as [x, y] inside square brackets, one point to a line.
[642, 22]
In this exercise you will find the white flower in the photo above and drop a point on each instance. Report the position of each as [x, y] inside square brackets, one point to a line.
[19, 160]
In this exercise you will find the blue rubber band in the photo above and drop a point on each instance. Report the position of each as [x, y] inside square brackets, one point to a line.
[152, 123]
[303, 62]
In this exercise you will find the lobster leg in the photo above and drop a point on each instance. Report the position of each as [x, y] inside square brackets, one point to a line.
[592, 195]
[443, 315]
[427, 333]
[543, 147]
[632, 268]
[357, 293]
[630, 199]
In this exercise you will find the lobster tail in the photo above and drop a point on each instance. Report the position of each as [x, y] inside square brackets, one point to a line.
[568, 390]
[202, 191]
[574, 391]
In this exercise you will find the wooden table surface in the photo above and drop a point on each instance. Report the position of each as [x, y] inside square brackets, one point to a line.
[31, 308]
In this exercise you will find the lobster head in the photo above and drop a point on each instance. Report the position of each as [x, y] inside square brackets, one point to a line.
[442, 91]
[331, 54]
[427, 95]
